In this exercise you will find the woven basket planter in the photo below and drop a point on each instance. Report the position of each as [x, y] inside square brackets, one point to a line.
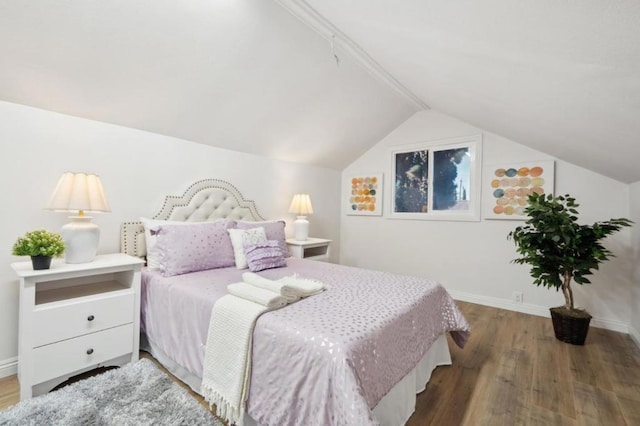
[568, 327]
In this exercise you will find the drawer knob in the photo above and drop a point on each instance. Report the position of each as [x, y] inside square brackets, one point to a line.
[89, 351]
[90, 318]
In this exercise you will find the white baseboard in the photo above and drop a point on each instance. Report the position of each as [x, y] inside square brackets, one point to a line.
[610, 325]
[8, 367]
[541, 311]
[635, 336]
[494, 302]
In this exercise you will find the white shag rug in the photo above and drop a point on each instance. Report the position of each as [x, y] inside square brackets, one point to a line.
[136, 394]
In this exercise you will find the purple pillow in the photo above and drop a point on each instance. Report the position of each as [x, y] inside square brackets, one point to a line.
[274, 230]
[194, 247]
[264, 255]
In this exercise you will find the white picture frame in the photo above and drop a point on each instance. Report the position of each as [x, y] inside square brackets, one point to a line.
[506, 187]
[364, 194]
[436, 180]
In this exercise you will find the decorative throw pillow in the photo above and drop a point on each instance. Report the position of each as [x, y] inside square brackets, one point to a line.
[153, 256]
[194, 247]
[274, 230]
[242, 237]
[265, 255]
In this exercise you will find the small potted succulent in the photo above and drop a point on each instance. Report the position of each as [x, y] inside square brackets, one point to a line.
[560, 250]
[41, 245]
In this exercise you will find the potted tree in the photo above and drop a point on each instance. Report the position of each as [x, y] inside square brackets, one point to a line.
[560, 250]
[41, 245]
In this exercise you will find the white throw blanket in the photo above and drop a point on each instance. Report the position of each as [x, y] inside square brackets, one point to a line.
[259, 295]
[227, 361]
[293, 287]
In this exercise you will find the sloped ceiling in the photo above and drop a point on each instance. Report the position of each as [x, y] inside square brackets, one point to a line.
[248, 75]
[560, 76]
[239, 74]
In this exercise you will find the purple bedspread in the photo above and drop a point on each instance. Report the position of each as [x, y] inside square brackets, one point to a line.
[325, 360]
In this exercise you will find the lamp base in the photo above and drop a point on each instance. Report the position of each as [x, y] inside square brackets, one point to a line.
[80, 238]
[301, 228]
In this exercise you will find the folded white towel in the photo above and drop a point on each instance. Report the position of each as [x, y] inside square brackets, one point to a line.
[227, 363]
[293, 287]
[301, 287]
[267, 284]
[270, 299]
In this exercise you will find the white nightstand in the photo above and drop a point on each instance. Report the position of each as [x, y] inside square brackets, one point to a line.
[76, 317]
[311, 248]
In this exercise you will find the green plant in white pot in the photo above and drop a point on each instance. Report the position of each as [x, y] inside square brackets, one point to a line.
[560, 250]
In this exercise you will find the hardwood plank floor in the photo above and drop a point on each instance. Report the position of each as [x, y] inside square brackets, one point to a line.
[514, 372]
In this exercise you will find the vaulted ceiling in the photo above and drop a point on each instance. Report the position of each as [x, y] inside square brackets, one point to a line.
[263, 77]
[560, 76]
[239, 74]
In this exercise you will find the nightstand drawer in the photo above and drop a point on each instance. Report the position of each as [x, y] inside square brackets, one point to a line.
[80, 317]
[61, 358]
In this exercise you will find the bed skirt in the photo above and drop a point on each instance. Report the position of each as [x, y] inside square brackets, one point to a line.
[394, 409]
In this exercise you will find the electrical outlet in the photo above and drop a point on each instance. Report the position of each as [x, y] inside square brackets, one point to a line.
[517, 297]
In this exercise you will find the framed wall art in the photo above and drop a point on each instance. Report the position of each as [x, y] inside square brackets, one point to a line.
[364, 196]
[507, 186]
[438, 180]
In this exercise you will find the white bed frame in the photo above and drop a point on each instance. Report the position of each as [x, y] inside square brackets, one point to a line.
[211, 199]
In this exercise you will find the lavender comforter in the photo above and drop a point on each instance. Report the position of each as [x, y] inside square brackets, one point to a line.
[325, 360]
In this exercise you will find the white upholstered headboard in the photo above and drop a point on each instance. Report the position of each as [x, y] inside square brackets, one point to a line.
[205, 200]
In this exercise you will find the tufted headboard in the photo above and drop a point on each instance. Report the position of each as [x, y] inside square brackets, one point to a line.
[205, 200]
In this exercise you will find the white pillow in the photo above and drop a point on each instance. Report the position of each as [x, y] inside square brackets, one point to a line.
[242, 237]
[153, 255]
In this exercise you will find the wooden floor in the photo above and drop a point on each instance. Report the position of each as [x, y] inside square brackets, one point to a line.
[514, 372]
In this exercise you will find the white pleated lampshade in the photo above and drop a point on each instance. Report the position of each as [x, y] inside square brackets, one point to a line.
[301, 205]
[79, 192]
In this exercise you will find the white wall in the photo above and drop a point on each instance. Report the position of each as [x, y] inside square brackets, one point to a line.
[472, 259]
[137, 169]
[634, 326]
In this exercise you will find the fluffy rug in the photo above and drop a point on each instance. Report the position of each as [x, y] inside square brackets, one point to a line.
[136, 394]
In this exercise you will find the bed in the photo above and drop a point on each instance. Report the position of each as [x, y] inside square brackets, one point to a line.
[356, 354]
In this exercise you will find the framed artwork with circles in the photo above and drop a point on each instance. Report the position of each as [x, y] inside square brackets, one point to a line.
[364, 196]
[506, 187]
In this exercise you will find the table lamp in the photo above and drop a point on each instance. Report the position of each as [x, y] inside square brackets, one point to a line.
[79, 192]
[301, 206]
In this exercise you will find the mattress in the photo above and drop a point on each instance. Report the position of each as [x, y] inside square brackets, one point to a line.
[328, 359]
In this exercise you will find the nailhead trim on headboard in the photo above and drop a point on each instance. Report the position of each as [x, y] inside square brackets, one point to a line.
[205, 200]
